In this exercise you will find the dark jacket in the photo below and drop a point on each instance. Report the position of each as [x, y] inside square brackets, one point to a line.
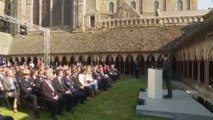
[167, 68]
[76, 82]
[68, 82]
[47, 92]
[24, 85]
[60, 87]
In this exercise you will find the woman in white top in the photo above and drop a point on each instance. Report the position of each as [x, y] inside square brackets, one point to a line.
[89, 79]
[81, 78]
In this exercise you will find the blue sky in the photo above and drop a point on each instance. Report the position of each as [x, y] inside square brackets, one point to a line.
[205, 4]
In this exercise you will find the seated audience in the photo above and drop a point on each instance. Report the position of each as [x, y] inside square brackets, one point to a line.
[53, 99]
[89, 88]
[27, 91]
[11, 88]
[62, 89]
[103, 82]
[89, 81]
[63, 86]
[114, 72]
[69, 82]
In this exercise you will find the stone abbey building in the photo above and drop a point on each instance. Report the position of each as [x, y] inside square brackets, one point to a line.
[123, 32]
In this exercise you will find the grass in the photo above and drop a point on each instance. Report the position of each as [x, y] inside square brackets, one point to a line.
[118, 103]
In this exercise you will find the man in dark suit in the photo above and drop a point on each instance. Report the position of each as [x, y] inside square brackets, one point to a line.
[78, 94]
[26, 91]
[167, 75]
[53, 99]
[64, 90]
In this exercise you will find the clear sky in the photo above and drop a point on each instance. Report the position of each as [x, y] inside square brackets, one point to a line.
[205, 4]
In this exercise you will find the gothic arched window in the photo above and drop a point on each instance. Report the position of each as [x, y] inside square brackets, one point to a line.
[180, 5]
[36, 12]
[156, 5]
[133, 4]
[188, 5]
[111, 7]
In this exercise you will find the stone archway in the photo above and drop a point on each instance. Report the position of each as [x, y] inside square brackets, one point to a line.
[210, 58]
[184, 66]
[23, 61]
[100, 60]
[202, 68]
[119, 64]
[56, 61]
[173, 66]
[81, 60]
[17, 62]
[211, 72]
[160, 61]
[190, 69]
[35, 61]
[11, 60]
[64, 61]
[195, 69]
[129, 65]
[109, 60]
[90, 60]
[29, 60]
[181, 68]
[150, 61]
[72, 60]
[141, 64]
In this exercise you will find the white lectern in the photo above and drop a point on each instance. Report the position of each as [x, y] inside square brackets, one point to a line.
[155, 83]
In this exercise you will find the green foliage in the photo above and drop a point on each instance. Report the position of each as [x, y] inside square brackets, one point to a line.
[117, 103]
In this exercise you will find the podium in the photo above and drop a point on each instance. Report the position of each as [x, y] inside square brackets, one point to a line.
[155, 83]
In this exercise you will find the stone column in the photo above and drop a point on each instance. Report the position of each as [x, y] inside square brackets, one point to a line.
[187, 74]
[40, 12]
[198, 71]
[206, 72]
[193, 67]
[62, 12]
[145, 67]
[177, 69]
[51, 8]
[182, 69]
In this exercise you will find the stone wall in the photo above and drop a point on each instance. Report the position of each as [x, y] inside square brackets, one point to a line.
[171, 5]
[6, 41]
[91, 11]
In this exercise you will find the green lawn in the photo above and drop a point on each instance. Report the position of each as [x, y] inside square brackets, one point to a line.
[118, 103]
